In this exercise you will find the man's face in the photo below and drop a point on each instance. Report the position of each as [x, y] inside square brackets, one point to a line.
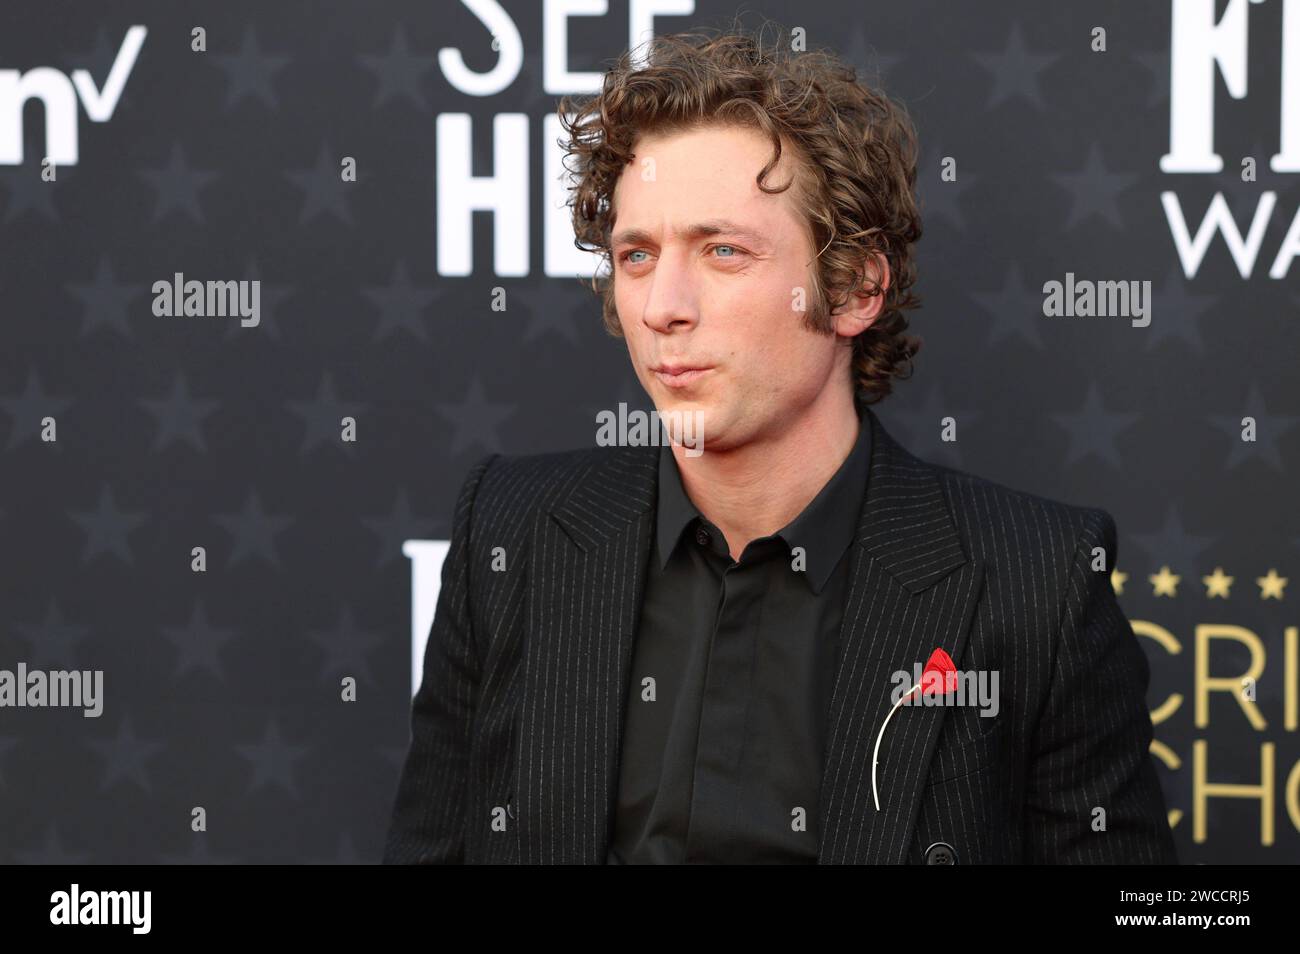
[727, 303]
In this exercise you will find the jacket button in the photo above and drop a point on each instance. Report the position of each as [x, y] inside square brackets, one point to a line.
[510, 805]
[940, 853]
[702, 537]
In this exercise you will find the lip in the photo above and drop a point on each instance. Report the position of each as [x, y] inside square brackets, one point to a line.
[680, 375]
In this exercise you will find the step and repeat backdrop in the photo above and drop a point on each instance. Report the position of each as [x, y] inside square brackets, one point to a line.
[275, 275]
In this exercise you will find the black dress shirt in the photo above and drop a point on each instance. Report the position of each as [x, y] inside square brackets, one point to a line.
[731, 680]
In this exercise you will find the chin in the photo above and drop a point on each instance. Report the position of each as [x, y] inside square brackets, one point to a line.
[689, 417]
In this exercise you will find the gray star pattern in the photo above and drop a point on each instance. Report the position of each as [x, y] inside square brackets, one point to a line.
[180, 416]
[1094, 430]
[1015, 71]
[53, 641]
[249, 72]
[1094, 191]
[126, 757]
[323, 188]
[400, 72]
[272, 760]
[26, 410]
[323, 416]
[107, 528]
[401, 305]
[253, 531]
[105, 300]
[345, 648]
[1268, 429]
[198, 644]
[475, 420]
[1016, 309]
[398, 527]
[178, 186]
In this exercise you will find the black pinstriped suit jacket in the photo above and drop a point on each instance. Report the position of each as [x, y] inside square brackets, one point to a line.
[520, 711]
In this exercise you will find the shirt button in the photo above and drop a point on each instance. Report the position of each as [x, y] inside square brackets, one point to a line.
[702, 536]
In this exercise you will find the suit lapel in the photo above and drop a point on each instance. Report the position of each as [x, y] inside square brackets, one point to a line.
[588, 562]
[912, 589]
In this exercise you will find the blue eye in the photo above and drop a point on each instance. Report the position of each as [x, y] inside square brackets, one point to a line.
[627, 256]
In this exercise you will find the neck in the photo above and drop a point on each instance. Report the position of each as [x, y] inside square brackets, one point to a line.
[754, 490]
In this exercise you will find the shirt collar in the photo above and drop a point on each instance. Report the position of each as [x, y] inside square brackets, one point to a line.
[675, 508]
[824, 529]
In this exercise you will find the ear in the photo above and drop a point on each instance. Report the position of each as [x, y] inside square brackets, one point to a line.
[861, 310]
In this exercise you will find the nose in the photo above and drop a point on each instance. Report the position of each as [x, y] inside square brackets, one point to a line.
[671, 304]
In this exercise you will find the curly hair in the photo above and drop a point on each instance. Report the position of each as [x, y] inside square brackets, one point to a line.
[855, 152]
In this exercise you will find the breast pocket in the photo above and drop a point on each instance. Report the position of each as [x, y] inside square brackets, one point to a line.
[965, 751]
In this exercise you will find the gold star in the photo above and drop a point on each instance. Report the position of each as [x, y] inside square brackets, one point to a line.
[1165, 583]
[1217, 583]
[1117, 581]
[1271, 586]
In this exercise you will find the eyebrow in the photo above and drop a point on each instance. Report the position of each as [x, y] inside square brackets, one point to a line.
[697, 231]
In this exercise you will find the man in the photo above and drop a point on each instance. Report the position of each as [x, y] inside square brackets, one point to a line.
[653, 654]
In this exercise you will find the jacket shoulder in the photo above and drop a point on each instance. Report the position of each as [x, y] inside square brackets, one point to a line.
[512, 489]
[547, 478]
[992, 516]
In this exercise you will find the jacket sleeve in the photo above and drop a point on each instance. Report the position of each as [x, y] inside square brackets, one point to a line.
[1091, 746]
[428, 819]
